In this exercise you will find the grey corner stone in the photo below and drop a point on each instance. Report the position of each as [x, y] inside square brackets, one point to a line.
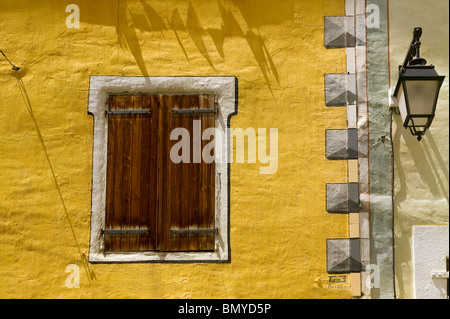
[337, 198]
[342, 198]
[340, 89]
[340, 32]
[336, 142]
[336, 89]
[353, 197]
[338, 256]
[352, 143]
[335, 35]
[343, 255]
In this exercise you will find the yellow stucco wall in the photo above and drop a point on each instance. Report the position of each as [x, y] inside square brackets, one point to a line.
[278, 225]
[421, 169]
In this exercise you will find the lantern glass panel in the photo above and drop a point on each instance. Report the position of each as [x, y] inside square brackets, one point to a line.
[402, 103]
[418, 121]
[421, 97]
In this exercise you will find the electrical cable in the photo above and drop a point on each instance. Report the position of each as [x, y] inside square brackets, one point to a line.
[15, 68]
[392, 196]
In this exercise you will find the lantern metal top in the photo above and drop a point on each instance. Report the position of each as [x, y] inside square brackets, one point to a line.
[417, 72]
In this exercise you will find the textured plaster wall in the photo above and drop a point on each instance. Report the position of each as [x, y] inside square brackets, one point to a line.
[278, 224]
[430, 249]
[380, 171]
[421, 168]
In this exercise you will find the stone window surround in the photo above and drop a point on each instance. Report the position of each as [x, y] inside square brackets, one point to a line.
[225, 90]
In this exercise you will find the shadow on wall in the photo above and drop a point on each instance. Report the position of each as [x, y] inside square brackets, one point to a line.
[434, 172]
[432, 169]
[89, 272]
[255, 13]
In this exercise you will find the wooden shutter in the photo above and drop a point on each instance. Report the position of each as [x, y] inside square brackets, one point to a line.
[130, 221]
[188, 214]
[151, 202]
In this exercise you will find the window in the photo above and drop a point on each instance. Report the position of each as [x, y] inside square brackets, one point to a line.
[153, 203]
[147, 204]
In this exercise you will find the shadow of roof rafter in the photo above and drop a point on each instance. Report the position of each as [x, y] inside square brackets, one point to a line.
[148, 20]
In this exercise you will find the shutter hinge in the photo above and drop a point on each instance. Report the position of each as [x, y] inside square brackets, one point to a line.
[194, 111]
[126, 112]
[124, 231]
[193, 231]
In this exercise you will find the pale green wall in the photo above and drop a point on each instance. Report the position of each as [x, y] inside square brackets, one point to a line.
[421, 168]
[380, 172]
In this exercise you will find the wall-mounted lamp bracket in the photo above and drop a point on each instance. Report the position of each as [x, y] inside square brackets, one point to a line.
[413, 55]
[393, 103]
[416, 93]
[14, 68]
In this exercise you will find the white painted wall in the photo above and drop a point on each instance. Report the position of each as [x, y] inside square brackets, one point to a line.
[430, 249]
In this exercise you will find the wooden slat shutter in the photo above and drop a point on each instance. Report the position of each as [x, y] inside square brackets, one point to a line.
[130, 221]
[188, 217]
[151, 202]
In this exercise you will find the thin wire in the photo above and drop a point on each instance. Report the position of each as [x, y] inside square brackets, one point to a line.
[392, 196]
[15, 68]
[6, 58]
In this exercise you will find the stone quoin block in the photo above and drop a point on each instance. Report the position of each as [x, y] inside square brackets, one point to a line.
[340, 89]
[343, 255]
[341, 144]
[342, 198]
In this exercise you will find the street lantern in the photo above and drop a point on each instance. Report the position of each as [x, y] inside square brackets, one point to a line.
[417, 90]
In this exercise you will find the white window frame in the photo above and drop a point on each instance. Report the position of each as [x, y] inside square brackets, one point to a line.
[224, 89]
